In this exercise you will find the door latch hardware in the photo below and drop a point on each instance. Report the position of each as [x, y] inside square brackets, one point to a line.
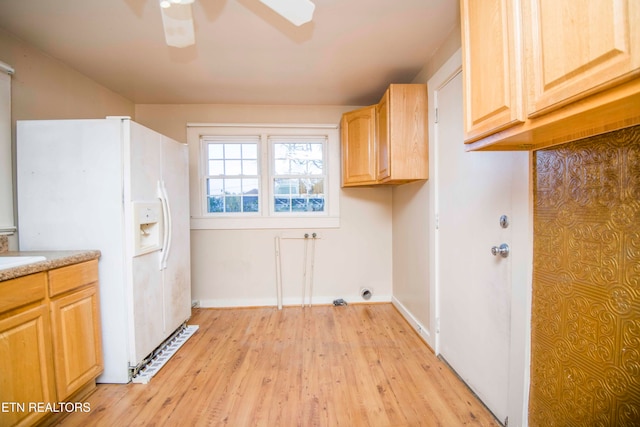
[502, 250]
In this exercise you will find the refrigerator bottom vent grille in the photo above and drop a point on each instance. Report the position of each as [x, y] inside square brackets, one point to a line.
[145, 374]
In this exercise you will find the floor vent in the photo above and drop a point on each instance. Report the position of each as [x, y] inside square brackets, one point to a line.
[147, 372]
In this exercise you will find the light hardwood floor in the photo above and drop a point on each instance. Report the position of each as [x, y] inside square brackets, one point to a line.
[356, 365]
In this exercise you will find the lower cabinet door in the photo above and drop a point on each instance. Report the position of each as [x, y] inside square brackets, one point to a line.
[76, 340]
[26, 372]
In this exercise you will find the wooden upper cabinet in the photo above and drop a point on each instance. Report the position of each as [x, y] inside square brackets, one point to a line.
[579, 47]
[539, 73]
[383, 166]
[358, 147]
[492, 74]
[387, 143]
[402, 135]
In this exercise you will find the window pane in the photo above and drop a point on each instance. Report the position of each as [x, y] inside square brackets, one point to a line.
[215, 204]
[249, 151]
[281, 167]
[232, 204]
[298, 167]
[233, 167]
[298, 204]
[316, 204]
[233, 186]
[232, 151]
[216, 151]
[315, 167]
[280, 151]
[250, 167]
[282, 204]
[250, 186]
[215, 187]
[315, 186]
[316, 151]
[285, 186]
[250, 204]
[216, 167]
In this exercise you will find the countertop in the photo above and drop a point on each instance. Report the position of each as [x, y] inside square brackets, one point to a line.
[54, 259]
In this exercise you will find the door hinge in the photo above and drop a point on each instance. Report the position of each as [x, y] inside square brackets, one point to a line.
[436, 120]
[437, 221]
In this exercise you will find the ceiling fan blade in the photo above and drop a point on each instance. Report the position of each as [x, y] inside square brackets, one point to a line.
[178, 25]
[297, 12]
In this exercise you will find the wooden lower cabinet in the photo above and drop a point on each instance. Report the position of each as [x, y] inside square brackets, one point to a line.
[76, 337]
[26, 369]
[50, 341]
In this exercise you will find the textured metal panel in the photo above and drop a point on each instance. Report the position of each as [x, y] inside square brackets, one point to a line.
[585, 368]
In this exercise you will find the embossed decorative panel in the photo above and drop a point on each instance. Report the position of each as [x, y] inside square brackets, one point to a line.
[585, 367]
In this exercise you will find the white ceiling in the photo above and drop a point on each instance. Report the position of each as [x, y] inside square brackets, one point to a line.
[244, 52]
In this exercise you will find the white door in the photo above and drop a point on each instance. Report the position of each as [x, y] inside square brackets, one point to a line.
[146, 283]
[177, 274]
[473, 190]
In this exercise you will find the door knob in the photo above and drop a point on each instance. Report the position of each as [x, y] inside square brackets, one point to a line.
[502, 250]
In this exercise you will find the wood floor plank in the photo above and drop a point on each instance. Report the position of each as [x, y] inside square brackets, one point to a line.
[356, 365]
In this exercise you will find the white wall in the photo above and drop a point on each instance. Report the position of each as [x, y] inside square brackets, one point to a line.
[237, 267]
[45, 88]
[411, 253]
[411, 213]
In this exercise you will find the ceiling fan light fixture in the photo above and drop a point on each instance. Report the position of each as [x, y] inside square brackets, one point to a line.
[297, 12]
[167, 3]
[177, 21]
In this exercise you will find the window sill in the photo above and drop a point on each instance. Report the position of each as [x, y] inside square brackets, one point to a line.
[206, 223]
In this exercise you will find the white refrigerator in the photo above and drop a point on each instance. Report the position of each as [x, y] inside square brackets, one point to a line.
[112, 184]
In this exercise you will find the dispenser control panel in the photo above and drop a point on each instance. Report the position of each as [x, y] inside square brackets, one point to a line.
[148, 230]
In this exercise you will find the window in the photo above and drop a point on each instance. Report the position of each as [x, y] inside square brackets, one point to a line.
[264, 177]
[232, 180]
[298, 175]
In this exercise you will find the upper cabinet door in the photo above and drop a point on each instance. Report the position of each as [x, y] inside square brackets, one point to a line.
[492, 71]
[383, 169]
[578, 48]
[358, 146]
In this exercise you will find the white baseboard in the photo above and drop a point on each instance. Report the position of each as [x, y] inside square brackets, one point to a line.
[287, 302]
[423, 332]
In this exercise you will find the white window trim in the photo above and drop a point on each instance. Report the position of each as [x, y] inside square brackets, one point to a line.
[200, 220]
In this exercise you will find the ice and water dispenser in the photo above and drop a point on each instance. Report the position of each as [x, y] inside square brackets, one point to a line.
[147, 227]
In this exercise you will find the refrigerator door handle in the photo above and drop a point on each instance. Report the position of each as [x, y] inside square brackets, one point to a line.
[166, 214]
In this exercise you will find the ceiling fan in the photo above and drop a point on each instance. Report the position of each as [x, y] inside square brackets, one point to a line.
[177, 18]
